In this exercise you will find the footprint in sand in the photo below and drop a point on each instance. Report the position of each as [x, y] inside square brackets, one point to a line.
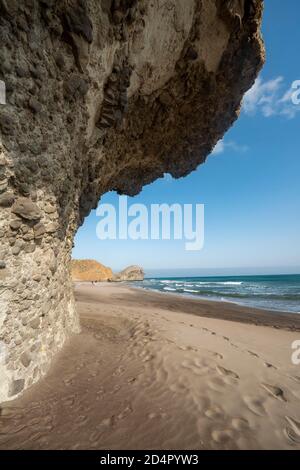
[269, 366]
[202, 403]
[253, 354]
[125, 413]
[291, 436]
[148, 358]
[187, 364]
[106, 423]
[255, 405]
[69, 401]
[81, 420]
[95, 437]
[296, 378]
[240, 424]
[293, 430]
[69, 379]
[230, 381]
[217, 384]
[276, 392]
[118, 371]
[198, 366]
[204, 362]
[178, 388]
[157, 415]
[9, 412]
[187, 348]
[222, 437]
[226, 372]
[215, 413]
[97, 434]
[217, 355]
[131, 380]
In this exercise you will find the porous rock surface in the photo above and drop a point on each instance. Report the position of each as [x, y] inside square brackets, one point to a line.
[101, 95]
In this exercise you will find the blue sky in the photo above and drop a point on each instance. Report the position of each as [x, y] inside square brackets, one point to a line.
[250, 185]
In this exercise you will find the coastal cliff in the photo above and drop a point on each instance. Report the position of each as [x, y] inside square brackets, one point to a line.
[87, 270]
[100, 96]
[132, 273]
[90, 270]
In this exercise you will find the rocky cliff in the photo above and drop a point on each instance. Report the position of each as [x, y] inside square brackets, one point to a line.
[132, 273]
[101, 95]
[90, 270]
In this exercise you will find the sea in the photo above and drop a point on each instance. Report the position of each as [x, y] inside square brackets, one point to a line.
[272, 292]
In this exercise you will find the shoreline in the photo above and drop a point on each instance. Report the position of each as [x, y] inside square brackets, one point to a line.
[188, 295]
[194, 296]
[208, 308]
[231, 311]
[149, 371]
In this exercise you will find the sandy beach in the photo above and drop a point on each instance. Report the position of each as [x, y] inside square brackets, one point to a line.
[159, 371]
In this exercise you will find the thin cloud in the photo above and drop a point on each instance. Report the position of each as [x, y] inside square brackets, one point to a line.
[270, 99]
[223, 145]
[219, 148]
[167, 178]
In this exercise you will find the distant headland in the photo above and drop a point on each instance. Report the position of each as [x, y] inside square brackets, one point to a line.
[87, 270]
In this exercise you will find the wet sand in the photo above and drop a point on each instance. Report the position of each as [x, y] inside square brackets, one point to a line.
[158, 371]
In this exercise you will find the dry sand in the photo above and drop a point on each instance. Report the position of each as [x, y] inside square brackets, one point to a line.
[154, 370]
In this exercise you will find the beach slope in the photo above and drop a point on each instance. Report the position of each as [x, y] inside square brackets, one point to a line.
[157, 371]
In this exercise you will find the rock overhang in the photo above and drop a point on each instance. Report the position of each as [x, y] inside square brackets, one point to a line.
[101, 95]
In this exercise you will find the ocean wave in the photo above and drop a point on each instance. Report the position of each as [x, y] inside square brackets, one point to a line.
[232, 283]
[235, 295]
[224, 283]
[252, 296]
[167, 281]
[280, 293]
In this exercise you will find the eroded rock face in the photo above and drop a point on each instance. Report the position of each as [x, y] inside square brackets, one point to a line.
[101, 95]
[131, 273]
[88, 270]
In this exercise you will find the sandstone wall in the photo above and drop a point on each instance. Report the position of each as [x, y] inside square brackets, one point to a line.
[101, 95]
